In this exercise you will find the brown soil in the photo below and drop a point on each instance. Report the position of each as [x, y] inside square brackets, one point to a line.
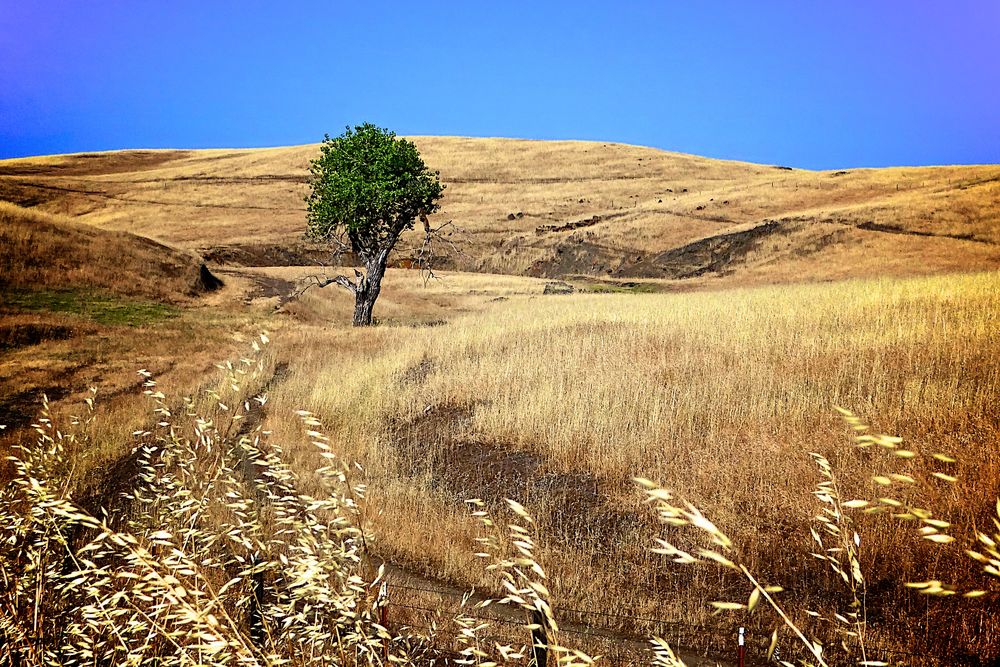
[894, 229]
[412, 595]
[20, 409]
[569, 226]
[715, 254]
[263, 286]
[578, 254]
[578, 506]
[24, 334]
[266, 254]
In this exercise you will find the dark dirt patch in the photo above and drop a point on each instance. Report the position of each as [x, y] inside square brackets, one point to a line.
[577, 255]
[895, 229]
[268, 254]
[26, 197]
[573, 505]
[265, 287]
[13, 336]
[817, 244]
[116, 481]
[416, 597]
[21, 409]
[254, 418]
[715, 254]
[578, 224]
[569, 226]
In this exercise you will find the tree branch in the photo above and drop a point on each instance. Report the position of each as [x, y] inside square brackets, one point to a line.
[322, 281]
[424, 255]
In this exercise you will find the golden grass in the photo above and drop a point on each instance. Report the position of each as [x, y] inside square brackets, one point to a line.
[481, 386]
[558, 401]
[720, 394]
[82, 307]
[44, 251]
[648, 201]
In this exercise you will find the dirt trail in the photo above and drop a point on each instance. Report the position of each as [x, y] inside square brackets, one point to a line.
[413, 596]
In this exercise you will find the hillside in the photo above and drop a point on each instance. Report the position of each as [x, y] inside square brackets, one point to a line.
[556, 208]
[44, 251]
[481, 386]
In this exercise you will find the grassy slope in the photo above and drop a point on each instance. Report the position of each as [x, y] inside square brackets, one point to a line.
[648, 202]
[81, 307]
[45, 251]
[650, 384]
[558, 401]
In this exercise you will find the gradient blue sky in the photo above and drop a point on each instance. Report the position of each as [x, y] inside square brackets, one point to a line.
[806, 84]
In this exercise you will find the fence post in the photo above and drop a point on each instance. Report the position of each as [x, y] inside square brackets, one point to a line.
[539, 640]
[741, 649]
[256, 615]
[383, 616]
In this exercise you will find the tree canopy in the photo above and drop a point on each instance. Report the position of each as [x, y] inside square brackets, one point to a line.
[368, 187]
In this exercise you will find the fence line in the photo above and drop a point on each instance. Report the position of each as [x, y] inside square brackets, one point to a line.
[583, 612]
[726, 638]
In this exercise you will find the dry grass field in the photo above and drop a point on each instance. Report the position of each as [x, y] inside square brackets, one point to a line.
[46, 251]
[82, 307]
[558, 401]
[556, 208]
[724, 310]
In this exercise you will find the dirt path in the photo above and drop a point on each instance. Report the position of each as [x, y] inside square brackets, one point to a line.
[417, 600]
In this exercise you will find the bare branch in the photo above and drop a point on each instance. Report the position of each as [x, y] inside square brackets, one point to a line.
[424, 255]
[324, 280]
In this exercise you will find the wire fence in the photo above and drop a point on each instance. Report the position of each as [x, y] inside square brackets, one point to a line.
[620, 639]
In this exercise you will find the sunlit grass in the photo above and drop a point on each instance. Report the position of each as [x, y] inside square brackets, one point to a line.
[724, 394]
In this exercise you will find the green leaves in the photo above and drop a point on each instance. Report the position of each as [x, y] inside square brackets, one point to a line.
[371, 185]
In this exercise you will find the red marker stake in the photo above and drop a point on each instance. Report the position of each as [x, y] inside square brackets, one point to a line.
[741, 651]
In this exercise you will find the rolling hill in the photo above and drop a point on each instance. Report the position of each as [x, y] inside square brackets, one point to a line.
[43, 251]
[480, 386]
[555, 209]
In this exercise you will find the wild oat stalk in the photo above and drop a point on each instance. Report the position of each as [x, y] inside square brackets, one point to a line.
[981, 547]
[218, 559]
[511, 553]
[721, 553]
[838, 545]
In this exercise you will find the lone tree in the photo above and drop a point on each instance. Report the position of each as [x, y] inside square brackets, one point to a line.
[368, 187]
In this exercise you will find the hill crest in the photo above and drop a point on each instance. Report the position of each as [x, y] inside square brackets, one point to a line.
[555, 209]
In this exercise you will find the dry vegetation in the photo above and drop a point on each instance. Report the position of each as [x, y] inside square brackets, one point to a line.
[83, 307]
[557, 208]
[45, 251]
[480, 386]
[559, 401]
[494, 404]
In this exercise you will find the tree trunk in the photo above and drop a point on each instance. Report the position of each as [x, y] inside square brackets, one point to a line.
[364, 302]
[368, 289]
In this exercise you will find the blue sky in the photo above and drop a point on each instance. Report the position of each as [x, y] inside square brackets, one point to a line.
[808, 84]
